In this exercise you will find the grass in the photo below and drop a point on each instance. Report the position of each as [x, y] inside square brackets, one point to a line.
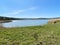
[48, 34]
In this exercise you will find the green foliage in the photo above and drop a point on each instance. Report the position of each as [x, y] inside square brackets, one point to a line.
[48, 34]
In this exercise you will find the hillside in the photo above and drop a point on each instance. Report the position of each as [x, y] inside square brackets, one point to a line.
[48, 34]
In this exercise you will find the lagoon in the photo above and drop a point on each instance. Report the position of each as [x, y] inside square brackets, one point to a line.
[22, 23]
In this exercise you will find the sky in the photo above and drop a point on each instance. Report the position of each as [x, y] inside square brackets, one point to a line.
[30, 8]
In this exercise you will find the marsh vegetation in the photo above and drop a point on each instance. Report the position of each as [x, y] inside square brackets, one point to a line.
[48, 34]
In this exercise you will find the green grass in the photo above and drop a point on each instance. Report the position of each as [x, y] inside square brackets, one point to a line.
[48, 34]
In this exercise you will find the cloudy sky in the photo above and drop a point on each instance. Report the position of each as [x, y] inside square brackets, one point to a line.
[30, 8]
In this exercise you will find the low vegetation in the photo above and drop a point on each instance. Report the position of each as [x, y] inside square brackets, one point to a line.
[48, 34]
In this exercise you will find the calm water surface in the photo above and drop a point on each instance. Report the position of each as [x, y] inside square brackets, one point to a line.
[21, 23]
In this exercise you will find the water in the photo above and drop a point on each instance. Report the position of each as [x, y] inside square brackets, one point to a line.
[21, 23]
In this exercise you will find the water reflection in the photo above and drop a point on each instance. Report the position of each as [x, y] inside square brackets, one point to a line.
[20, 23]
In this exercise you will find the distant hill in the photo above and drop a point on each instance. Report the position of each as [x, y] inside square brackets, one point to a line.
[11, 18]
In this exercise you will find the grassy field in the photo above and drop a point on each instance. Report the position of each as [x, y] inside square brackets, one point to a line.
[48, 34]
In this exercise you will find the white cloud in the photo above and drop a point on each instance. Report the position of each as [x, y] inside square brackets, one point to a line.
[32, 8]
[16, 12]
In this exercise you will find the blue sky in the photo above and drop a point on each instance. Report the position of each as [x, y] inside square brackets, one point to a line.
[30, 8]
